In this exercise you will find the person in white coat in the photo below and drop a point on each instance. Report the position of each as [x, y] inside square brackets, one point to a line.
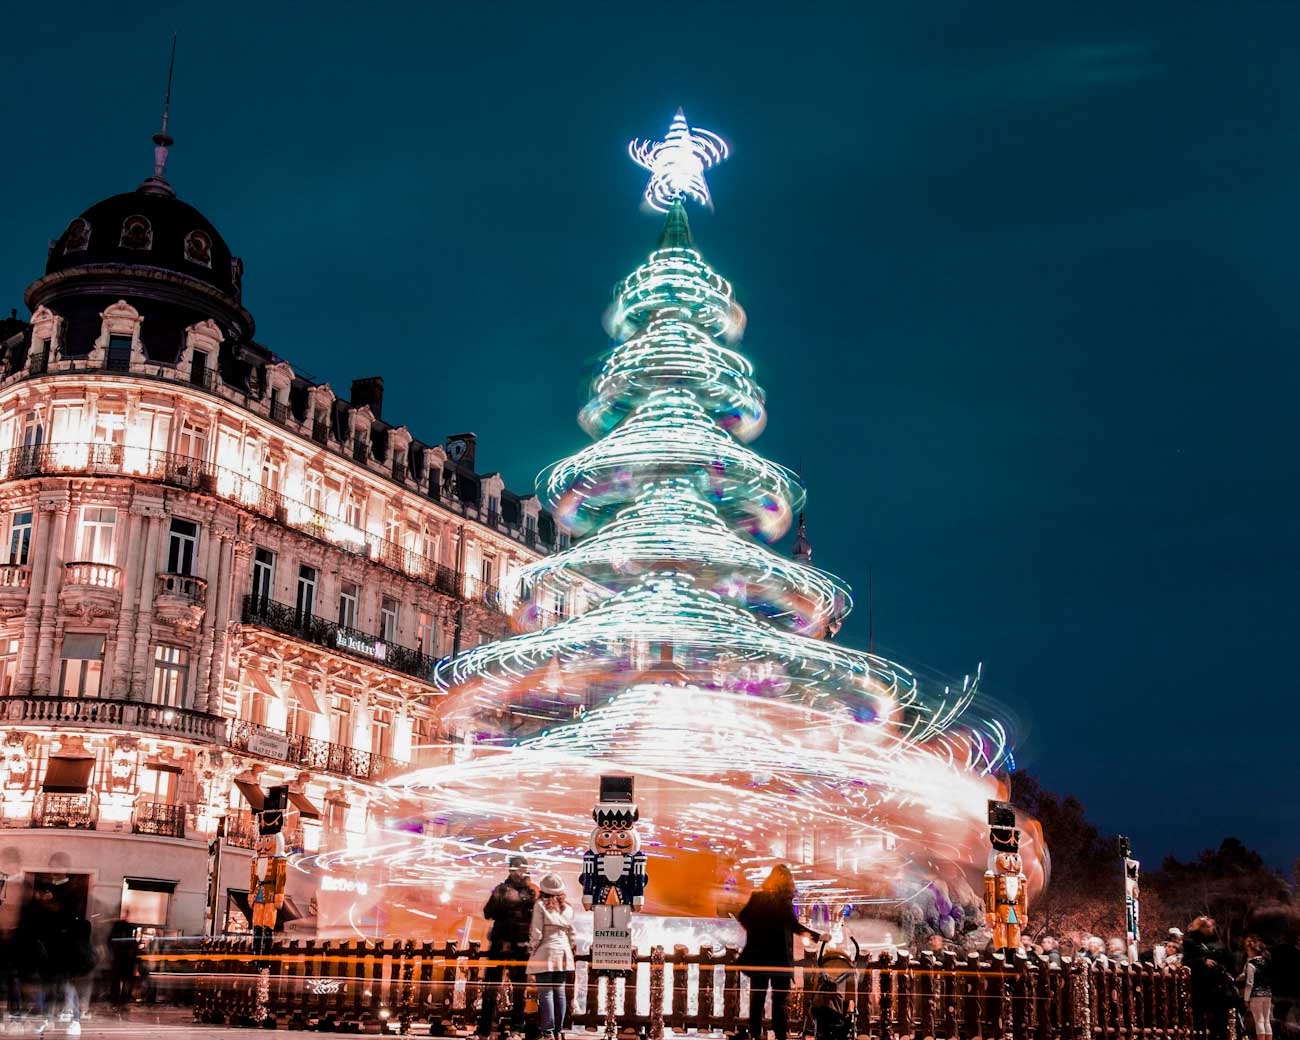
[550, 944]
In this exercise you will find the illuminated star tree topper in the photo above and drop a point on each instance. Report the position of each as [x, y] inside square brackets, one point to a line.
[677, 163]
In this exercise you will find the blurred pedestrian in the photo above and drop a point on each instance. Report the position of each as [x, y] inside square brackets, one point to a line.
[1258, 980]
[55, 944]
[123, 955]
[550, 958]
[1116, 952]
[1214, 994]
[510, 909]
[768, 957]
[1051, 949]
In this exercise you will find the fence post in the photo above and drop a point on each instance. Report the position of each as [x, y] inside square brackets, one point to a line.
[904, 984]
[704, 992]
[971, 984]
[681, 980]
[886, 995]
[730, 990]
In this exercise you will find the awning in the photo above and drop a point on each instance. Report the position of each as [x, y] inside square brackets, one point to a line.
[260, 682]
[306, 697]
[82, 646]
[163, 767]
[149, 884]
[252, 792]
[68, 775]
[303, 804]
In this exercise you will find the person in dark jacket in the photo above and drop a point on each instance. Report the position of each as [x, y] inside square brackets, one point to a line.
[1213, 988]
[510, 909]
[768, 957]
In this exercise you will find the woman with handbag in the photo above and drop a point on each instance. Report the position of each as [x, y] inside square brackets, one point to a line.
[768, 957]
[550, 945]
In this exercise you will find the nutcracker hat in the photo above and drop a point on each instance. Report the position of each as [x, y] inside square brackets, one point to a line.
[616, 807]
[270, 820]
[1004, 839]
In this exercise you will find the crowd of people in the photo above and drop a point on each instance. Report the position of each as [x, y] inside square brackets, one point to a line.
[1224, 983]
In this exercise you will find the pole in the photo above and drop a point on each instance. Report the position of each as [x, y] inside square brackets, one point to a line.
[214, 876]
[1132, 909]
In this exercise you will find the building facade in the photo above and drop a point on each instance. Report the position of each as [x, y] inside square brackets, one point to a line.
[217, 576]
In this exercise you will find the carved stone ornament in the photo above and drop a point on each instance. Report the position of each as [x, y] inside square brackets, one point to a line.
[137, 233]
[198, 248]
[78, 237]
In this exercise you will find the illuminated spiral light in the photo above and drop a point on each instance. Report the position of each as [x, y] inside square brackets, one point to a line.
[677, 163]
[668, 527]
[703, 666]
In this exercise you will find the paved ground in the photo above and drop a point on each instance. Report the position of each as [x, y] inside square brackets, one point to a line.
[152, 1023]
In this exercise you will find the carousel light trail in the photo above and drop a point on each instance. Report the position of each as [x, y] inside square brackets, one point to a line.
[706, 666]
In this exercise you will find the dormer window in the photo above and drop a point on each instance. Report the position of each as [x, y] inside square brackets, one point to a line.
[136, 233]
[78, 237]
[198, 248]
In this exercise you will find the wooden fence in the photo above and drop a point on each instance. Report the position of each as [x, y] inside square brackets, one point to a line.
[425, 987]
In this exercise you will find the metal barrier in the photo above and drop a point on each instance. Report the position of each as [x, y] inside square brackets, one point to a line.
[435, 987]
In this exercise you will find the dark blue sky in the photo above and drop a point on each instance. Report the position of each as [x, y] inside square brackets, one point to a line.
[1021, 281]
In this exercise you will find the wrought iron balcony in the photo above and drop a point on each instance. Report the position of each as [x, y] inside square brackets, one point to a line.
[100, 712]
[74, 811]
[289, 620]
[309, 753]
[161, 818]
[280, 413]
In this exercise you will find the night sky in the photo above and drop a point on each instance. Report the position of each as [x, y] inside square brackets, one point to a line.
[1021, 283]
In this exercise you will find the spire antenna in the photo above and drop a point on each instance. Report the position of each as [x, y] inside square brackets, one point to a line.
[162, 141]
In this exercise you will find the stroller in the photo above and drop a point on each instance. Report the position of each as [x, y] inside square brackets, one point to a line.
[832, 1006]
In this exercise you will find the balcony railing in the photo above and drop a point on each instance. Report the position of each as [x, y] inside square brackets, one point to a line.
[320, 755]
[15, 576]
[360, 451]
[289, 620]
[320, 432]
[111, 714]
[75, 811]
[92, 575]
[161, 818]
[280, 413]
[193, 474]
[182, 586]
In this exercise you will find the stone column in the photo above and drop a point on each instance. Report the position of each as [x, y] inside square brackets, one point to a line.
[57, 508]
[133, 575]
[215, 620]
[141, 669]
[235, 556]
[50, 506]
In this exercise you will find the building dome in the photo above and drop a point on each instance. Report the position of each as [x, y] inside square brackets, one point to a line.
[148, 228]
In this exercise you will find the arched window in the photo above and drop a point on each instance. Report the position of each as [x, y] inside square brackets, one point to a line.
[136, 233]
[198, 248]
[78, 237]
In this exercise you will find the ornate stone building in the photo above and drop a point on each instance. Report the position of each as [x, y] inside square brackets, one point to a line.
[217, 575]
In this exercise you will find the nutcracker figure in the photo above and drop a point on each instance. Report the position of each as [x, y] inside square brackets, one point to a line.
[1006, 895]
[268, 871]
[613, 868]
[1131, 897]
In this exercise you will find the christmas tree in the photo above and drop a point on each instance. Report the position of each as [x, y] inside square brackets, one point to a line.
[705, 667]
